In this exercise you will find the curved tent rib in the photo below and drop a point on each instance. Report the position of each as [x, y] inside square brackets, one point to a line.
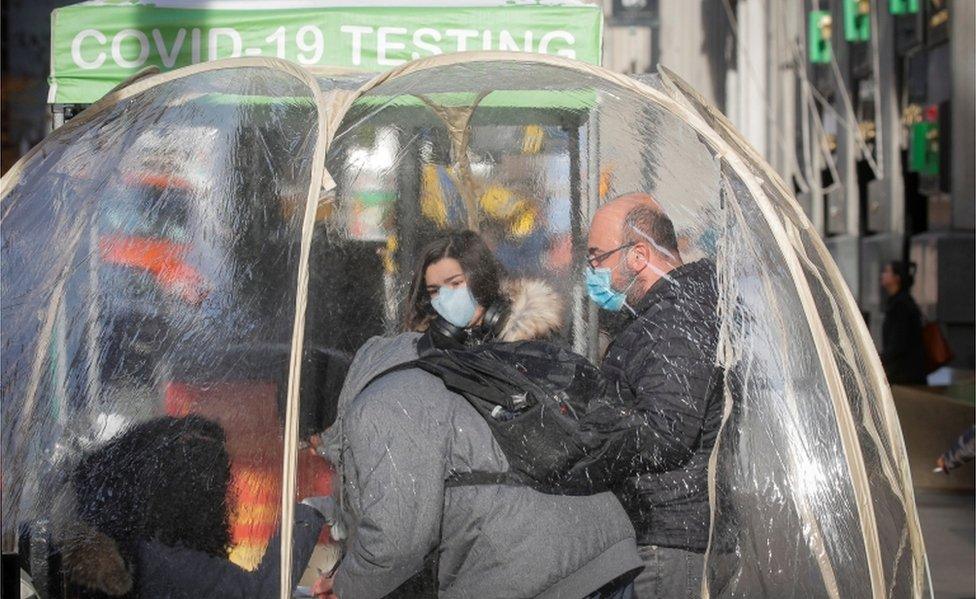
[330, 114]
[865, 346]
[831, 373]
[816, 541]
[142, 84]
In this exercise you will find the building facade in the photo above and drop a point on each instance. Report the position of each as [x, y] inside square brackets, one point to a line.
[864, 106]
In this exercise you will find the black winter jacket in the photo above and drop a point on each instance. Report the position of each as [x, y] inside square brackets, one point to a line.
[166, 572]
[902, 352]
[183, 573]
[663, 365]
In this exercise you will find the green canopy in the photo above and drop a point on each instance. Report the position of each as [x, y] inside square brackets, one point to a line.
[95, 45]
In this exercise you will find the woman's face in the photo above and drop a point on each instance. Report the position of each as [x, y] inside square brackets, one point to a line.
[447, 272]
[890, 282]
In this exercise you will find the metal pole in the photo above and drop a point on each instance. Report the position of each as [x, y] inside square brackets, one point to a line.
[577, 231]
[407, 222]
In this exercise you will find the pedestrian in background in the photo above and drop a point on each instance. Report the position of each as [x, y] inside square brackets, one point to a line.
[961, 452]
[902, 350]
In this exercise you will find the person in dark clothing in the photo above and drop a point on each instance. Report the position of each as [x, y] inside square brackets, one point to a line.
[662, 363]
[146, 515]
[902, 351]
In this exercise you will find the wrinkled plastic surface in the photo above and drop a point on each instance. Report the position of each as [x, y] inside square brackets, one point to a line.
[150, 260]
[872, 415]
[150, 267]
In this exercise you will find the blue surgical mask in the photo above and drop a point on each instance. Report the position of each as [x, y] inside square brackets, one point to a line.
[600, 289]
[456, 305]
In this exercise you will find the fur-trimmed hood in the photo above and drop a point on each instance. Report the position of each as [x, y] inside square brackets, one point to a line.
[536, 310]
[90, 558]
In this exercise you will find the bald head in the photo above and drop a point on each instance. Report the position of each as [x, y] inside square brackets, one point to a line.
[634, 200]
[635, 221]
[634, 218]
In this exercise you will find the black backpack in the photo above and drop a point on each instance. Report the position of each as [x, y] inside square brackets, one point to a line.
[533, 395]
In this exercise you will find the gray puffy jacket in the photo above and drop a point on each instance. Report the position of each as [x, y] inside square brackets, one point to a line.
[400, 438]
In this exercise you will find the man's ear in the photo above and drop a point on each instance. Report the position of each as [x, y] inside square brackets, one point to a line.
[639, 257]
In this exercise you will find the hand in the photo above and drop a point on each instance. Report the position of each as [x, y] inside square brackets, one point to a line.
[941, 465]
[337, 520]
[310, 445]
[323, 587]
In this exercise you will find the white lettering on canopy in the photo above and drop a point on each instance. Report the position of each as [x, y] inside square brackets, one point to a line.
[232, 34]
[169, 58]
[357, 32]
[506, 41]
[384, 45]
[194, 45]
[388, 46]
[76, 49]
[427, 41]
[462, 36]
[418, 40]
[117, 48]
[560, 35]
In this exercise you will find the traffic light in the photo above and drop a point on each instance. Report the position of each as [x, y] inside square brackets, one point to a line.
[857, 20]
[818, 37]
[903, 7]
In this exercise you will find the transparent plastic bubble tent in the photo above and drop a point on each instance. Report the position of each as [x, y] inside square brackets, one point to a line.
[204, 240]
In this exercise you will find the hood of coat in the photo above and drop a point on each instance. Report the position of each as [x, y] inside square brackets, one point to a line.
[375, 356]
[536, 310]
[90, 558]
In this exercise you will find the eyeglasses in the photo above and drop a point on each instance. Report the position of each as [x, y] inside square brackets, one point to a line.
[595, 261]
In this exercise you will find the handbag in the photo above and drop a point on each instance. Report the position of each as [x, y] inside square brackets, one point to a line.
[938, 353]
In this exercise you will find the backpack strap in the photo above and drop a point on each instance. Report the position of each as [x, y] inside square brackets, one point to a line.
[403, 366]
[459, 479]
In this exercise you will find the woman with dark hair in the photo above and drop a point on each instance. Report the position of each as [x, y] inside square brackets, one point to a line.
[458, 277]
[423, 474]
[150, 518]
[902, 351]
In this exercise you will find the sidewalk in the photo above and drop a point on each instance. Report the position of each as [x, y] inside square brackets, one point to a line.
[950, 541]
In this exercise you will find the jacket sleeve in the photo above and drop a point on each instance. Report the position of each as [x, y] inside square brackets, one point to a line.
[178, 572]
[655, 418]
[395, 459]
[962, 451]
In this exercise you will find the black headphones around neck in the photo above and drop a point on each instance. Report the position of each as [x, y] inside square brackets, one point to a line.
[445, 335]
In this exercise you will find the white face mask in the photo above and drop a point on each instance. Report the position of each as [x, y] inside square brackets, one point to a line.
[456, 305]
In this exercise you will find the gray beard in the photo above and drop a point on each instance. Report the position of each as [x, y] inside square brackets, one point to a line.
[635, 294]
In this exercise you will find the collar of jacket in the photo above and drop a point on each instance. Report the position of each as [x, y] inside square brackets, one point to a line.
[903, 296]
[674, 284]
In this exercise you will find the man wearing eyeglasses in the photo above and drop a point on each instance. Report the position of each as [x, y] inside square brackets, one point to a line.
[667, 410]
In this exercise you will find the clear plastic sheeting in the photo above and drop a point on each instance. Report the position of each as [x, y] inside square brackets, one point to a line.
[777, 473]
[153, 266]
[150, 264]
[872, 415]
